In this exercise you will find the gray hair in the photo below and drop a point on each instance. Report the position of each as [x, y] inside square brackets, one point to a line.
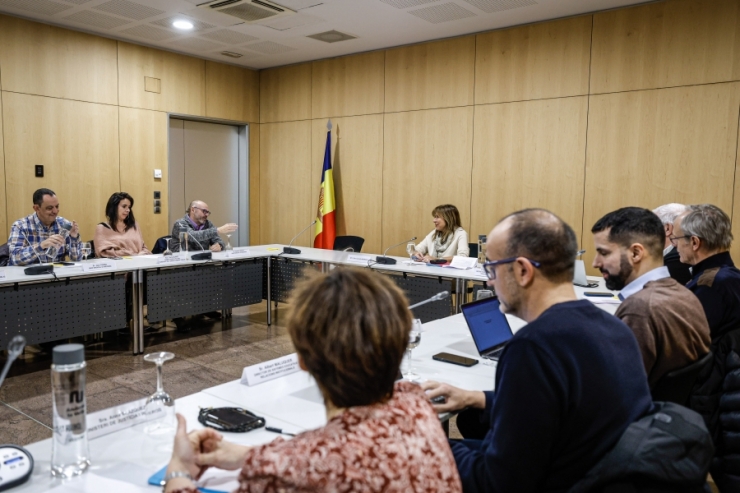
[669, 212]
[709, 223]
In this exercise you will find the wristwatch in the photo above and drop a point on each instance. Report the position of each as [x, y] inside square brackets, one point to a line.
[173, 475]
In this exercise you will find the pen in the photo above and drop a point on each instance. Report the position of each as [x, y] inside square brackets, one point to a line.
[278, 430]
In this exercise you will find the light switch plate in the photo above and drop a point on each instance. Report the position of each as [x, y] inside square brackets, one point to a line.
[158, 174]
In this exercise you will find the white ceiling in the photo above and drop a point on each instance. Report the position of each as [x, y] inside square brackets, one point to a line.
[377, 24]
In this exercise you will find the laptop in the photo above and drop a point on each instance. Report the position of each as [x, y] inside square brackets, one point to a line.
[579, 276]
[488, 326]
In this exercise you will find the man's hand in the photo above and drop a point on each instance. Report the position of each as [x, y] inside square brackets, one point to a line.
[53, 240]
[456, 399]
[75, 231]
[227, 228]
[215, 247]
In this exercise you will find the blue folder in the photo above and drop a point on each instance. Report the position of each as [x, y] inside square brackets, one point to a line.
[158, 477]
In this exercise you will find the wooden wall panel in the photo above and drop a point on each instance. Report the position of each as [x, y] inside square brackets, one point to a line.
[78, 145]
[285, 93]
[51, 61]
[647, 148]
[254, 184]
[4, 224]
[144, 149]
[528, 154]
[232, 93]
[348, 86]
[285, 182]
[430, 75]
[357, 162]
[544, 60]
[427, 162]
[664, 44]
[182, 80]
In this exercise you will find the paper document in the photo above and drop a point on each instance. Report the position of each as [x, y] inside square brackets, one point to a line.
[463, 263]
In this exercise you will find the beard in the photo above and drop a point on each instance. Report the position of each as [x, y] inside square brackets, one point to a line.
[511, 302]
[616, 282]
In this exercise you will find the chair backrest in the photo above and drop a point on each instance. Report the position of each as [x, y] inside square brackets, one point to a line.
[4, 254]
[473, 250]
[675, 386]
[92, 250]
[349, 243]
[161, 244]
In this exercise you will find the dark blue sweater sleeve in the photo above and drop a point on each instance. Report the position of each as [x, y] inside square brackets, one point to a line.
[525, 412]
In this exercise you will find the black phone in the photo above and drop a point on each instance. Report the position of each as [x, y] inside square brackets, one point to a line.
[455, 359]
[438, 261]
[232, 419]
[598, 294]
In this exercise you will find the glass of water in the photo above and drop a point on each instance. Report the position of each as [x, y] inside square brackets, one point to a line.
[414, 341]
[160, 401]
[183, 245]
[86, 249]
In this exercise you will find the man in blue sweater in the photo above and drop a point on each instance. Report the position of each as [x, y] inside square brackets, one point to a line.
[567, 384]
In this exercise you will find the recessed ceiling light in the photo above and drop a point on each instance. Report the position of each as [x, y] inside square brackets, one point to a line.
[183, 24]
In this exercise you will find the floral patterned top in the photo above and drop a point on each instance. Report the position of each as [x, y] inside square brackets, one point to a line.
[398, 446]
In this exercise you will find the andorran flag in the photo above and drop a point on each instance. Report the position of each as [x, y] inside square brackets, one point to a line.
[325, 231]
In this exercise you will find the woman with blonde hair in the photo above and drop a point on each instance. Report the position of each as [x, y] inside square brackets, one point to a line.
[447, 239]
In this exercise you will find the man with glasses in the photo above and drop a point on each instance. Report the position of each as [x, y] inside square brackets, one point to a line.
[667, 214]
[202, 233]
[567, 384]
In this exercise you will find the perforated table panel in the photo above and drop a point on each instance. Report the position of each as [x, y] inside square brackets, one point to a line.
[421, 288]
[284, 273]
[194, 289]
[50, 311]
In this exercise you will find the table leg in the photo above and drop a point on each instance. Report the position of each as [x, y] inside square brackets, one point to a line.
[269, 291]
[138, 308]
[135, 311]
[461, 292]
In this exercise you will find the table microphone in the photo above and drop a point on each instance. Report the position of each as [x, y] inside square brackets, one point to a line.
[295, 251]
[382, 259]
[439, 296]
[206, 255]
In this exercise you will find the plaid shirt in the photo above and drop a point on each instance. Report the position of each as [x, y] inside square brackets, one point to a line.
[27, 234]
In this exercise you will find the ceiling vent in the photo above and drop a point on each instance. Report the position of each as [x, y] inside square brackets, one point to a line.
[248, 10]
[232, 54]
[332, 36]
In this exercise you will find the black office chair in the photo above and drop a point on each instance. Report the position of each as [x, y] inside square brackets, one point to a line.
[348, 243]
[4, 254]
[92, 250]
[675, 386]
[161, 244]
[473, 250]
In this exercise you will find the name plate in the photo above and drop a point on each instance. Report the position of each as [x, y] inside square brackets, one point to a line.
[236, 252]
[463, 263]
[2, 274]
[356, 259]
[98, 265]
[170, 259]
[119, 417]
[270, 370]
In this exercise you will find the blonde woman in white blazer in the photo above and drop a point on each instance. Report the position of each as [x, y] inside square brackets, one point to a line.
[447, 239]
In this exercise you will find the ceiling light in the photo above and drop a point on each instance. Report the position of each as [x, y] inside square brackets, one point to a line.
[183, 24]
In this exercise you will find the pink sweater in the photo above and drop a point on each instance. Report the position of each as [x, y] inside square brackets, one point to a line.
[111, 243]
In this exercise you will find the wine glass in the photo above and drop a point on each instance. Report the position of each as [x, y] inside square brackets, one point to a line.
[51, 253]
[160, 401]
[414, 341]
[167, 250]
[86, 249]
[228, 242]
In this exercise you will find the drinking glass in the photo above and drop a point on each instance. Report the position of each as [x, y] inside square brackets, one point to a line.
[51, 254]
[414, 340]
[228, 242]
[167, 250]
[483, 293]
[184, 245]
[160, 400]
[410, 249]
[86, 249]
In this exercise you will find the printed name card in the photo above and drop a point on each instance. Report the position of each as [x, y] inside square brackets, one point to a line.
[236, 252]
[356, 259]
[97, 265]
[270, 370]
[463, 263]
[170, 259]
[2, 274]
[119, 417]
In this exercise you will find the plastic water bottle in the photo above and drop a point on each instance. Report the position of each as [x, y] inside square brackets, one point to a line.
[70, 455]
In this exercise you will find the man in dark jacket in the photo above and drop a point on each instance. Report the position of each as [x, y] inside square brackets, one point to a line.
[678, 270]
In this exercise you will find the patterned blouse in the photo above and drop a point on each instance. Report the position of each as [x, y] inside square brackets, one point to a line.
[394, 447]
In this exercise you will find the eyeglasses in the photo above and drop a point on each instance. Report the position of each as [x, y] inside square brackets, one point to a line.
[490, 267]
[204, 211]
[674, 239]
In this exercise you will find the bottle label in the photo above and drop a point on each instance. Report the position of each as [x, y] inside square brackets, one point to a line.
[69, 406]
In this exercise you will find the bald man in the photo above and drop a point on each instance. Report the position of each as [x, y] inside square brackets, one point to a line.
[202, 233]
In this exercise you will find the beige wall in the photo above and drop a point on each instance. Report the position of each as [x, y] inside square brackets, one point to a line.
[77, 104]
[637, 106]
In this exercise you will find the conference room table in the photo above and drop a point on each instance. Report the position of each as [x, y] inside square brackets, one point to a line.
[124, 460]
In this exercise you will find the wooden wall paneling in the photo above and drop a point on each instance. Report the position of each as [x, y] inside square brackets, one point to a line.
[285, 93]
[182, 80]
[357, 162]
[78, 145]
[665, 44]
[144, 149]
[647, 148]
[285, 182]
[51, 61]
[430, 75]
[528, 154]
[232, 93]
[254, 184]
[427, 162]
[348, 86]
[4, 224]
[538, 61]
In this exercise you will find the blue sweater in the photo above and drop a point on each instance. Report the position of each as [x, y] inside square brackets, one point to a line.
[567, 386]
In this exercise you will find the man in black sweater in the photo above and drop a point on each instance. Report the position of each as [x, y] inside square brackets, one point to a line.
[567, 385]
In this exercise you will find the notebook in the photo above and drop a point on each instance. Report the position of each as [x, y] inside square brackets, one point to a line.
[488, 326]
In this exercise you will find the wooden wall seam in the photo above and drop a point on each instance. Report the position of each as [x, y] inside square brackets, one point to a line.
[585, 148]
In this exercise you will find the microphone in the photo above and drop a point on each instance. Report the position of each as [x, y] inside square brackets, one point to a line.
[36, 270]
[439, 296]
[295, 251]
[200, 256]
[382, 259]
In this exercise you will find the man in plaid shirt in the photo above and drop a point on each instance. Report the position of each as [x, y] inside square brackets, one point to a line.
[44, 236]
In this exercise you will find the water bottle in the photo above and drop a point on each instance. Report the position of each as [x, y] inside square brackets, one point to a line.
[70, 455]
[482, 249]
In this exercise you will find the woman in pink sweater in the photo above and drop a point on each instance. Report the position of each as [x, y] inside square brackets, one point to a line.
[120, 236]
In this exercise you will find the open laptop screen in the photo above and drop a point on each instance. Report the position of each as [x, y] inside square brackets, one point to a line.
[487, 324]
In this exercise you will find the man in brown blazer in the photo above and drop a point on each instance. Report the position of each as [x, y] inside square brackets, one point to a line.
[666, 318]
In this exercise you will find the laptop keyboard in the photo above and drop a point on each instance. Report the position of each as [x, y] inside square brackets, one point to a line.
[493, 354]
